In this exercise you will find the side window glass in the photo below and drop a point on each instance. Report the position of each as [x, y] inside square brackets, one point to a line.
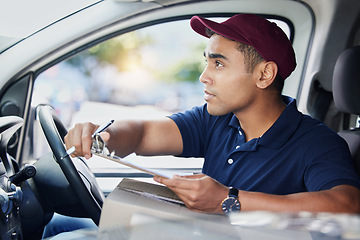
[148, 73]
[157, 66]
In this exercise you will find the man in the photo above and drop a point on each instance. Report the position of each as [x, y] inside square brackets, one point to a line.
[253, 139]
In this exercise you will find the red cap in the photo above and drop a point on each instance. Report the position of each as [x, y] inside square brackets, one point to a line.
[266, 37]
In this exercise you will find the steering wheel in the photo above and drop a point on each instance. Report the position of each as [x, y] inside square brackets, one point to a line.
[78, 174]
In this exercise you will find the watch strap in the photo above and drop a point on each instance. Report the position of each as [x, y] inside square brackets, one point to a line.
[233, 192]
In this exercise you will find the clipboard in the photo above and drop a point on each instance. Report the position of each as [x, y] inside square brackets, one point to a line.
[98, 148]
[154, 172]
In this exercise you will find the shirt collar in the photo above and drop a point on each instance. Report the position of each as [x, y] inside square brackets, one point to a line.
[283, 128]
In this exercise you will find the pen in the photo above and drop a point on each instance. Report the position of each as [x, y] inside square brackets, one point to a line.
[68, 152]
[102, 128]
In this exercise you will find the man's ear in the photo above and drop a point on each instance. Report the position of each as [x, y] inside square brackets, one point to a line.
[268, 73]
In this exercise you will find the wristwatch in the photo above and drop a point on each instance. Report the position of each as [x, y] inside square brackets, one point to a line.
[231, 203]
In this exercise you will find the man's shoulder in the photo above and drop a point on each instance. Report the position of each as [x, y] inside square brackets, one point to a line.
[315, 126]
[316, 133]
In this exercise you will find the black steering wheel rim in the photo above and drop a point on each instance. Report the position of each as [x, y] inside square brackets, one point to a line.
[54, 132]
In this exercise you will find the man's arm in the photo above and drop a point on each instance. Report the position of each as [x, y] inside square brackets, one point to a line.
[153, 137]
[339, 199]
[204, 194]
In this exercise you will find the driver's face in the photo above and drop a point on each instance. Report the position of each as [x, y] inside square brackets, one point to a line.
[228, 86]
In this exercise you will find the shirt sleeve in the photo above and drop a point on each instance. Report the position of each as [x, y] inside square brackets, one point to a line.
[192, 128]
[329, 163]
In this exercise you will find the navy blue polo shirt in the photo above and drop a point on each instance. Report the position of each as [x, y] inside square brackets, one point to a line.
[297, 154]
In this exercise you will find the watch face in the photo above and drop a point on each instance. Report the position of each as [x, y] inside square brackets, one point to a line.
[230, 204]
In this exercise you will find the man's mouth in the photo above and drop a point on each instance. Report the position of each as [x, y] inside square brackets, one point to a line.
[208, 95]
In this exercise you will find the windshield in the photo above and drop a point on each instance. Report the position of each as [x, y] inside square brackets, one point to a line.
[42, 13]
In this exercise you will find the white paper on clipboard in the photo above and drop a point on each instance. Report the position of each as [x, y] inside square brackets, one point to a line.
[154, 172]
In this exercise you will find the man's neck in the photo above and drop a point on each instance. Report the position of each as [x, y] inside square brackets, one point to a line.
[257, 120]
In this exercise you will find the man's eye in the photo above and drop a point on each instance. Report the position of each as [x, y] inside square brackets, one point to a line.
[219, 64]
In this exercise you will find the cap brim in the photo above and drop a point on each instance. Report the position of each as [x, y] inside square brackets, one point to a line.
[200, 25]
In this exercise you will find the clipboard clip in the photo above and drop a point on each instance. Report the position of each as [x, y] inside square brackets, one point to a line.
[98, 145]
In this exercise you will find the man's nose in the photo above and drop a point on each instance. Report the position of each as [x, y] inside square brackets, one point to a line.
[205, 78]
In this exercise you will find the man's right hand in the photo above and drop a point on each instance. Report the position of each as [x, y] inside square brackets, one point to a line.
[80, 138]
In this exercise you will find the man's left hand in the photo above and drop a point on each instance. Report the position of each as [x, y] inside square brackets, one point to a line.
[199, 192]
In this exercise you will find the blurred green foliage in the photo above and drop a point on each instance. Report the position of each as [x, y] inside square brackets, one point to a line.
[189, 68]
[116, 51]
[125, 52]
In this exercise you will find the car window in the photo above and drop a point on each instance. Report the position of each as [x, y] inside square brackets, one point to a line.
[147, 73]
[156, 66]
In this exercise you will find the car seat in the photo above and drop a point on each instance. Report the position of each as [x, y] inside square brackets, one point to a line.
[346, 91]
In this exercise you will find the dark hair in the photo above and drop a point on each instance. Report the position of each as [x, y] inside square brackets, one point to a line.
[252, 58]
[278, 83]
